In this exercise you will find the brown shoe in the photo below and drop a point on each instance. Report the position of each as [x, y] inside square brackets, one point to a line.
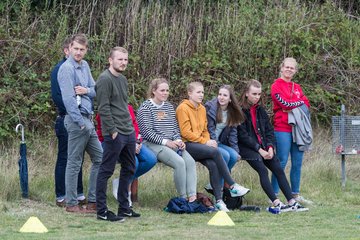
[77, 209]
[91, 206]
[61, 203]
[82, 203]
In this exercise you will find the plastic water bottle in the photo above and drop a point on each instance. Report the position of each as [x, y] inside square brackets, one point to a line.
[273, 210]
[138, 140]
[179, 152]
[78, 100]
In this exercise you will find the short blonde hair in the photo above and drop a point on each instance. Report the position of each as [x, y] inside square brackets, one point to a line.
[193, 85]
[289, 59]
[117, 49]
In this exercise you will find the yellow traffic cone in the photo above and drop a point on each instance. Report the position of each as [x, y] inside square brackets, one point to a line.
[221, 219]
[33, 225]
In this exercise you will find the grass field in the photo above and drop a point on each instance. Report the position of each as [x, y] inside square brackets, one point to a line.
[335, 213]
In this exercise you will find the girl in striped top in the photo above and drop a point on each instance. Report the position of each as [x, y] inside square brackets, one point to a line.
[160, 131]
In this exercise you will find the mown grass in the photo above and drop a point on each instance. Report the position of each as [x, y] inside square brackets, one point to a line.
[334, 215]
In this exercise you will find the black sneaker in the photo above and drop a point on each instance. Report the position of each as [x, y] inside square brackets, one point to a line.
[130, 213]
[297, 207]
[209, 189]
[110, 216]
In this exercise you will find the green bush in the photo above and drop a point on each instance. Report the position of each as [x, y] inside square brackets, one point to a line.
[215, 42]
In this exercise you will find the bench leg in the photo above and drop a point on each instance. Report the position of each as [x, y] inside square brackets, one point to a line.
[134, 190]
[343, 174]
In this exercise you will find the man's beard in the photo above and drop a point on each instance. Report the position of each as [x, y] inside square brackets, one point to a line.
[119, 69]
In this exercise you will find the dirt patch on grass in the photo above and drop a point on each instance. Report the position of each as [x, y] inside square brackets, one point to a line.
[23, 207]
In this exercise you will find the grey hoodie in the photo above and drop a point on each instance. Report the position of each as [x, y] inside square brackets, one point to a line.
[299, 119]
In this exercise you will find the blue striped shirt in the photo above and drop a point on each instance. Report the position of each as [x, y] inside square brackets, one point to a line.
[158, 124]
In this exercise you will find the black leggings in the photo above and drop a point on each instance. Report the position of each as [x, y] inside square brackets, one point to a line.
[211, 158]
[274, 165]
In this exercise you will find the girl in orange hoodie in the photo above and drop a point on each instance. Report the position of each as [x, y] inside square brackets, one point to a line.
[191, 116]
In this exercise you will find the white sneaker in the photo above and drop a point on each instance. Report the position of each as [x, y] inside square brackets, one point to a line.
[221, 206]
[238, 190]
[115, 186]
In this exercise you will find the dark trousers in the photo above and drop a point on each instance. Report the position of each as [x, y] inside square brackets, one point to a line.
[211, 158]
[60, 166]
[122, 150]
[274, 165]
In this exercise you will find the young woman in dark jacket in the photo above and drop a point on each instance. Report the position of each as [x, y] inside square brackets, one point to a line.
[256, 143]
[224, 115]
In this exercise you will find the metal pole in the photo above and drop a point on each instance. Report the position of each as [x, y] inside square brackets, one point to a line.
[343, 175]
[342, 142]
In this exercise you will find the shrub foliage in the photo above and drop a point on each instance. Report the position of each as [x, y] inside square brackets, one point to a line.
[215, 42]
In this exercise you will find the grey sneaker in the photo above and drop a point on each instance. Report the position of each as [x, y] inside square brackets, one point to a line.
[304, 201]
[221, 206]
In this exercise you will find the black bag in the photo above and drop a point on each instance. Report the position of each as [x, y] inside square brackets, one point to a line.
[232, 202]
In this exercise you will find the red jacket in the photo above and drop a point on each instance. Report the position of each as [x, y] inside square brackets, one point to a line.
[285, 96]
[132, 114]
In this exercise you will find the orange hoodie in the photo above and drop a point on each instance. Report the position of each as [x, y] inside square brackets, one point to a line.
[192, 122]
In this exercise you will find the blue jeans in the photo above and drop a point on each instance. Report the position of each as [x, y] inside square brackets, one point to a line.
[229, 155]
[145, 160]
[284, 147]
[79, 141]
[61, 161]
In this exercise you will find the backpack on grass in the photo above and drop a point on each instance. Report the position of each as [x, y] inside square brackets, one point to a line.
[231, 202]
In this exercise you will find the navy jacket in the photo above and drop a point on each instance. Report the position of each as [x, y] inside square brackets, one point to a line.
[247, 139]
[55, 89]
[229, 134]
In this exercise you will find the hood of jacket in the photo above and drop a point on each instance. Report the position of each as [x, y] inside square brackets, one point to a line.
[189, 104]
[211, 107]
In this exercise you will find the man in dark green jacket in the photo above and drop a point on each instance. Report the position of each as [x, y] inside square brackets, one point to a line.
[119, 135]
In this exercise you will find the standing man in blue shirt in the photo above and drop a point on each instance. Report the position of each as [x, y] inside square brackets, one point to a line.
[62, 137]
[78, 89]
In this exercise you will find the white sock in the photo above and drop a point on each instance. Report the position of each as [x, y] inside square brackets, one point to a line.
[81, 198]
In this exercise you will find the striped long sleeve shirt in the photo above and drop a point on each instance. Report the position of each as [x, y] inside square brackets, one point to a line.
[157, 123]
